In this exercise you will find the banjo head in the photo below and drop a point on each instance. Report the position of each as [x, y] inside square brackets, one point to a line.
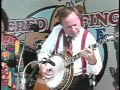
[61, 74]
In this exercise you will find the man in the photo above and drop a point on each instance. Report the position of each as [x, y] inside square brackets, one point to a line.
[71, 26]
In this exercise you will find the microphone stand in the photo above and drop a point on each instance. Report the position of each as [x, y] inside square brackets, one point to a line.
[19, 64]
[20, 60]
[23, 79]
[36, 68]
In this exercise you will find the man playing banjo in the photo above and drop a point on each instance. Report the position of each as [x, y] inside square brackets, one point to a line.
[54, 48]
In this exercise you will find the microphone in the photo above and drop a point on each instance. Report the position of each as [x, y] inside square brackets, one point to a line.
[47, 60]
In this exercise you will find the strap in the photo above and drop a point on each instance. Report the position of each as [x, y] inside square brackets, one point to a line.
[57, 43]
[82, 47]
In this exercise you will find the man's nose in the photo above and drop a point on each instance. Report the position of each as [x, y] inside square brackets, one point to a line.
[72, 28]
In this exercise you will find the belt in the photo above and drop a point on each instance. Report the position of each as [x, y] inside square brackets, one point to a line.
[82, 76]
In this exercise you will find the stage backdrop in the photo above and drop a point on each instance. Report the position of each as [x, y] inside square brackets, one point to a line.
[32, 21]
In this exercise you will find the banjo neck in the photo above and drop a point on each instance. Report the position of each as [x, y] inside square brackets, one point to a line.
[70, 60]
[106, 38]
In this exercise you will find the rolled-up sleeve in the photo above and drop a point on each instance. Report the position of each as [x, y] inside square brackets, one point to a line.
[94, 69]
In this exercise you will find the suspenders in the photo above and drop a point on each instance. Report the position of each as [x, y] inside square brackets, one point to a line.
[82, 47]
[57, 43]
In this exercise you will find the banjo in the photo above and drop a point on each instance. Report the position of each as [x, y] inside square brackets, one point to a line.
[63, 69]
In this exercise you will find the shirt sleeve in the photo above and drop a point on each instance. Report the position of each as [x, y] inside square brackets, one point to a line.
[94, 69]
[49, 44]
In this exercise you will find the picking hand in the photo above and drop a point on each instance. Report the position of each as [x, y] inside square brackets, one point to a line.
[46, 71]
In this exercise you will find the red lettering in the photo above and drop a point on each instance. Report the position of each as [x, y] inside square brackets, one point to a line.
[92, 20]
[113, 17]
[102, 18]
[42, 24]
[11, 26]
[84, 19]
[20, 25]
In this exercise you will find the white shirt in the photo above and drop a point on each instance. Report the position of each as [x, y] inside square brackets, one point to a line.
[49, 45]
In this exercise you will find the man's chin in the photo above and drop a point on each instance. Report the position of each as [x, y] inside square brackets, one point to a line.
[74, 35]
